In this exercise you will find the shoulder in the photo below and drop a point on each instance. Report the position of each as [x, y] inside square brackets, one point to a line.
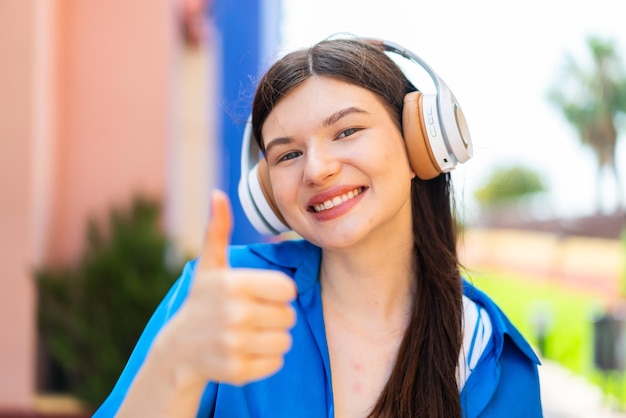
[505, 377]
[502, 328]
[297, 258]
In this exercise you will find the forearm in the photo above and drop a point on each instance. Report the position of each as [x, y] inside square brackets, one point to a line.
[155, 392]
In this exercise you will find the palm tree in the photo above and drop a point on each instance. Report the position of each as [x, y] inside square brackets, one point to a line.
[592, 101]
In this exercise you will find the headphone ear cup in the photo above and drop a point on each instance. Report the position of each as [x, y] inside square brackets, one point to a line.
[257, 201]
[421, 157]
[266, 187]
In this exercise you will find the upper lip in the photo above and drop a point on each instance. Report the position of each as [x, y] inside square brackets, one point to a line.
[330, 194]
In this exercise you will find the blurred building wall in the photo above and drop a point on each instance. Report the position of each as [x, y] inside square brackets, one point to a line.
[113, 98]
[17, 114]
[595, 266]
[98, 100]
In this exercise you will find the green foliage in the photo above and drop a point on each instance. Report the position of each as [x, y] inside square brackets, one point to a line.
[570, 335]
[592, 99]
[569, 338]
[91, 314]
[623, 287]
[593, 90]
[509, 185]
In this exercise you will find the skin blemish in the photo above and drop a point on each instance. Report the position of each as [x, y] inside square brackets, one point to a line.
[357, 386]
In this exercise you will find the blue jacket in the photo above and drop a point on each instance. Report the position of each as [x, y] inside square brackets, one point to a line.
[504, 381]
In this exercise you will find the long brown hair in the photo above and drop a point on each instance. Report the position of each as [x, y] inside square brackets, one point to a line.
[423, 380]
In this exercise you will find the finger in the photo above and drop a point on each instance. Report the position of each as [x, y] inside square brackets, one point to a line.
[266, 285]
[261, 315]
[217, 235]
[274, 316]
[255, 368]
[260, 367]
[245, 343]
[267, 343]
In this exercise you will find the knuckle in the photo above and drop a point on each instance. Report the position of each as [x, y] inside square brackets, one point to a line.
[221, 282]
[229, 283]
[236, 314]
[276, 363]
[290, 316]
[285, 342]
[235, 369]
[230, 343]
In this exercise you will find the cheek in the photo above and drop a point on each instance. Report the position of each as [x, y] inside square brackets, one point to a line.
[388, 160]
[284, 190]
[399, 159]
[393, 165]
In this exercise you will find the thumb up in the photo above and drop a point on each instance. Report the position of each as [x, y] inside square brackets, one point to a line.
[234, 325]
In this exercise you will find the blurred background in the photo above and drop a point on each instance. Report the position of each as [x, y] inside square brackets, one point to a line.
[117, 119]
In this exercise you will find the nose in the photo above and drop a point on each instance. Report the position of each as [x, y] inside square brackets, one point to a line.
[321, 165]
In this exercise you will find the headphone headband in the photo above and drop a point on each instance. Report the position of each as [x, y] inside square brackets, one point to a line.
[455, 131]
[434, 129]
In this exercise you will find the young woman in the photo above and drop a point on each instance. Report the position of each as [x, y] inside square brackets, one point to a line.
[366, 315]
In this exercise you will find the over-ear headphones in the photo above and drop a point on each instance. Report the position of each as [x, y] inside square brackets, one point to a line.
[434, 130]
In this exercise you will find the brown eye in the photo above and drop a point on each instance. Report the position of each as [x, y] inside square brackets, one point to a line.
[289, 156]
[347, 132]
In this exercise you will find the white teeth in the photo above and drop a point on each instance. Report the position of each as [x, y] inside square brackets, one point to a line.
[337, 200]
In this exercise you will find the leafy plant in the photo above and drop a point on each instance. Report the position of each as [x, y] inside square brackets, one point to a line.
[91, 314]
[592, 99]
[623, 287]
[510, 184]
[570, 338]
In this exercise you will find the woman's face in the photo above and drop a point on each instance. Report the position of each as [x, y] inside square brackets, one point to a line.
[338, 164]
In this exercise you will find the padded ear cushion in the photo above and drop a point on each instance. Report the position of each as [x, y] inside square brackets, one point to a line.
[421, 157]
[266, 188]
[260, 210]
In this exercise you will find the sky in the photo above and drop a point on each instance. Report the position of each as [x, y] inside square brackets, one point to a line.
[500, 59]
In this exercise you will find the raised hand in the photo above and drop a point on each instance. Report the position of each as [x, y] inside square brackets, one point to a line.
[234, 325]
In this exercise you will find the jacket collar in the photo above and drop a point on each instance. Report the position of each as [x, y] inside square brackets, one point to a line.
[303, 259]
[299, 256]
[501, 324]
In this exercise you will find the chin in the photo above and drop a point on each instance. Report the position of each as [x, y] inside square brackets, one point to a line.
[338, 239]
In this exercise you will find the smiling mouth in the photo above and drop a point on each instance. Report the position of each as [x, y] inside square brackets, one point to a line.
[337, 200]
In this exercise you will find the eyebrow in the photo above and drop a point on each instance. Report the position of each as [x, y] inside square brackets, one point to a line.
[326, 123]
[275, 142]
[340, 114]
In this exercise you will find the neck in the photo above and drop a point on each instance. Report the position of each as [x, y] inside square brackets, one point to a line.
[370, 286]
